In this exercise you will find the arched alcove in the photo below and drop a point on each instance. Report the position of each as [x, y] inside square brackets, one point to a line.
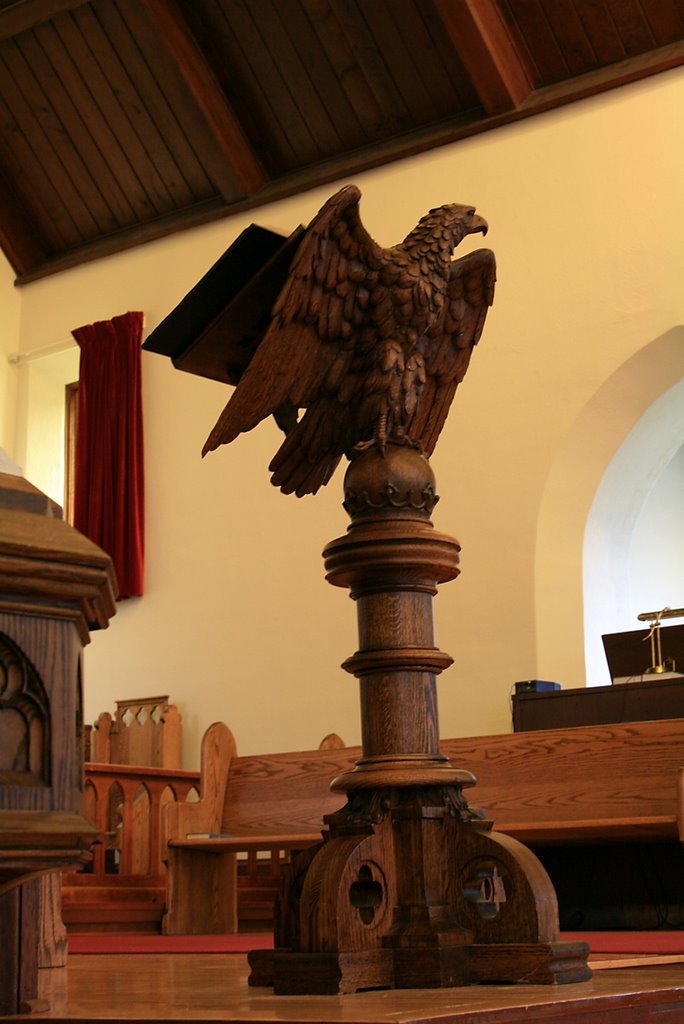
[630, 529]
[603, 473]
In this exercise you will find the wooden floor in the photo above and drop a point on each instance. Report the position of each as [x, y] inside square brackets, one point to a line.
[213, 987]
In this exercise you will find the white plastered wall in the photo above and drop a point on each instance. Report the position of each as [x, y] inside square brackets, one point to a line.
[585, 209]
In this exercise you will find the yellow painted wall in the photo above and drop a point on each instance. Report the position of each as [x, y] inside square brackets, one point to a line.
[586, 209]
[10, 314]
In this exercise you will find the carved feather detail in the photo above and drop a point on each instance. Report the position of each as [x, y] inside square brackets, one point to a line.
[370, 342]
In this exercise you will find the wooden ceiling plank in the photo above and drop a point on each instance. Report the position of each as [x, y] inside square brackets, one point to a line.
[109, 120]
[226, 130]
[601, 31]
[26, 178]
[399, 55]
[323, 83]
[500, 74]
[528, 25]
[247, 90]
[379, 81]
[441, 79]
[26, 14]
[571, 35]
[666, 19]
[268, 93]
[18, 89]
[632, 25]
[154, 86]
[19, 236]
[93, 136]
[328, 85]
[346, 67]
[122, 109]
[196, 131]
[299, 85]
[467, 98]
[150, 76]
[70, 138]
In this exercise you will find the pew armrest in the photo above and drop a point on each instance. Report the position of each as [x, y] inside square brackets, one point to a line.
[218, 749]
[246, 844]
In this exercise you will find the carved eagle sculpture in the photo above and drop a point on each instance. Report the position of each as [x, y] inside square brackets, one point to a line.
[370, 342]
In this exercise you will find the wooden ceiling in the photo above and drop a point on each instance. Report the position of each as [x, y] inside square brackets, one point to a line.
[124, 120]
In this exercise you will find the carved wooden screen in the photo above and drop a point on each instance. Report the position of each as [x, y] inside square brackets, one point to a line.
[24, 720]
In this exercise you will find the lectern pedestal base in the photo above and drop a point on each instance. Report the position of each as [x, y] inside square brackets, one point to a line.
[410, 888]
[467, 906]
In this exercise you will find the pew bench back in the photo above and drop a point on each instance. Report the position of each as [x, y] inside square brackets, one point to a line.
[284, 793]
[559, 786]
[608, 781]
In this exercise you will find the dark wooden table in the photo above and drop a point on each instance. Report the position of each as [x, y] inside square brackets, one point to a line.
[647, 701]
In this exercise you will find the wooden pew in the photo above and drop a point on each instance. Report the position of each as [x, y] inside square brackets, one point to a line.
[570, 790]
[257, 808]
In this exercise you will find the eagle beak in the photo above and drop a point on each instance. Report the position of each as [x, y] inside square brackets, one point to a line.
[478, 224]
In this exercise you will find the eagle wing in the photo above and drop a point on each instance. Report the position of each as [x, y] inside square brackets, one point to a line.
[450, 341]
[308, 349]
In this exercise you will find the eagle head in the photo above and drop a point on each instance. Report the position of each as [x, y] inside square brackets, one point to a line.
[443, 228]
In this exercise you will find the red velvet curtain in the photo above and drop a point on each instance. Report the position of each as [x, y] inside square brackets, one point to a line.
[109, 479]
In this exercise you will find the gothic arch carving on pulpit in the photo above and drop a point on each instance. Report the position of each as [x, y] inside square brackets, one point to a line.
[24, 720]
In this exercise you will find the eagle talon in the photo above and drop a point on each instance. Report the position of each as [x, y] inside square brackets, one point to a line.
[375, 442]
[398, 438]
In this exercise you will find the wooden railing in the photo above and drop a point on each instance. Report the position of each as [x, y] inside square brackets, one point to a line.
[124, 886]
[144, 730]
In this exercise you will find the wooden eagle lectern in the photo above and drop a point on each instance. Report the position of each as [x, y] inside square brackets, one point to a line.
[410, 887]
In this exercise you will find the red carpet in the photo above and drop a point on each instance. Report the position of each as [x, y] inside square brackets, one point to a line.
[119, 942]
[630, 942]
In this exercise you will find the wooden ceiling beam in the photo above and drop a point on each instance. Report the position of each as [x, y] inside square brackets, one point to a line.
[226, 130]
[499, 73]
[26, 14]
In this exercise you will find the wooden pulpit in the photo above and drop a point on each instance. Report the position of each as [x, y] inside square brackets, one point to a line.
[359, 356]
[55, 587]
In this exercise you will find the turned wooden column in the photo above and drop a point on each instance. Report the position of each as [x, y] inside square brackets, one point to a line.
[392, 559]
